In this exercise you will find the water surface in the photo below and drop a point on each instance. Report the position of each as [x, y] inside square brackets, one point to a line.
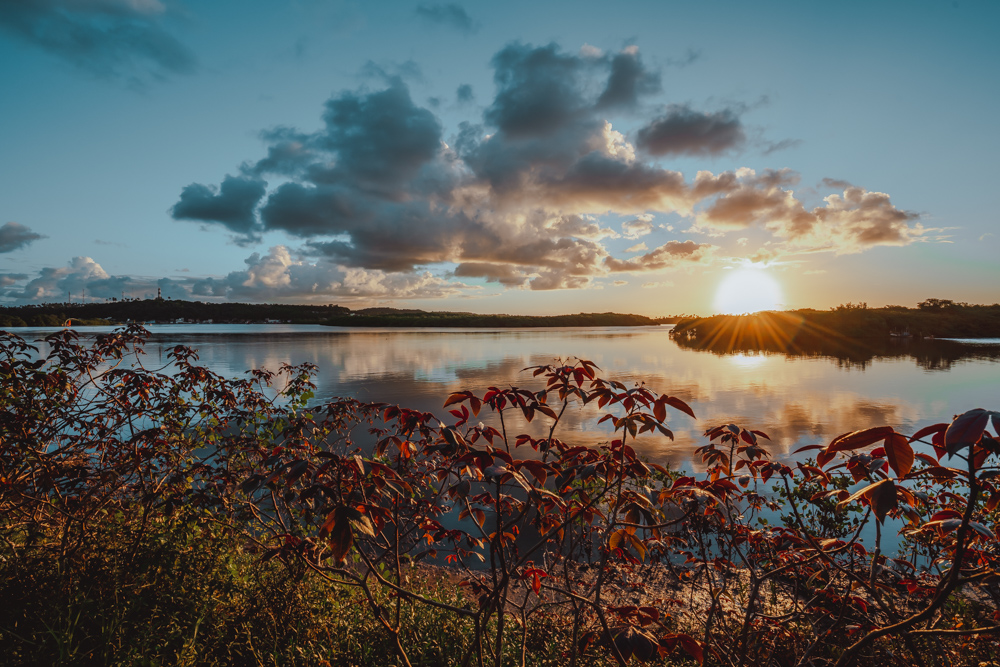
[798, 399]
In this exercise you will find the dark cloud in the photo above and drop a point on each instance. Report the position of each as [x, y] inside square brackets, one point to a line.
[380, 139]
[682, 130]
[231, 205]
[14, 236]
[538, 90]
[451, 15]
[629, 80]
[464, 94]
[118, 39]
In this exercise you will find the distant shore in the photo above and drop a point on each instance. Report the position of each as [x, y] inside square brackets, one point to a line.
[848, 325]
[168, 311]
[934, 318]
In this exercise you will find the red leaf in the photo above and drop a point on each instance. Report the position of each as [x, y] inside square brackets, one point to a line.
[679, 405]
[823, 458]
[928, 430]
[659, 410]
[967, 428]
[859, 439]
[899, 453]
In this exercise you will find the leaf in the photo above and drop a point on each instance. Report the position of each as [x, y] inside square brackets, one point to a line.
[880, 495]
[341, 538]
[617, 538]
[928, 430]
[859, 439]
[457, 397]
[693, 648]
[364, 525]
[966, 429]
[822, 458]
[659, 410]
[678, 404]
[899, 453]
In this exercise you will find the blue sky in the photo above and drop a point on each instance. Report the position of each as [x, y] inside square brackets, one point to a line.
[498, 157]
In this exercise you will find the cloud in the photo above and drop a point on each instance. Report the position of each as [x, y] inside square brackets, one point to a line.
[113, 39]
[14, 236]
[56, 283]
[666, 256]
[684, 131]
[451, 15]
[515, 196]
[836, 184]
[232, 204]
[277, 275]
[464, 94]
[629, 80]
[775, 146]
[638, 247]
[641, 226]
[849, 222]
[8, 279]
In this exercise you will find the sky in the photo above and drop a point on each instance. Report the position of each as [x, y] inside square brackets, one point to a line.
[520, 157]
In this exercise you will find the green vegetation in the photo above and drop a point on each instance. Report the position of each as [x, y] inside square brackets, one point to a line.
[153, 518]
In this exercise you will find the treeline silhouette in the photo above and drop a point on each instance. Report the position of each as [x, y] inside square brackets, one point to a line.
[850, 330]
[447, 319]
[165, 310]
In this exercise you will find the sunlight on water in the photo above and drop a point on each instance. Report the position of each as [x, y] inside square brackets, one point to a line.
[741, 360]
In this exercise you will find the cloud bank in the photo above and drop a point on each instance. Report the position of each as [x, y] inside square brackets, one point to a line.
[383, 199]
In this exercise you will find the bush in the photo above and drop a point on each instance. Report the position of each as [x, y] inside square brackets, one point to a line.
[168, 515]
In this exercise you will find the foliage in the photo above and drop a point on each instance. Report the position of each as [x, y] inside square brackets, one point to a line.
[171, 515]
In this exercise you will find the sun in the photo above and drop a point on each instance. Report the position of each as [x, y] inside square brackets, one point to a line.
[748, 290]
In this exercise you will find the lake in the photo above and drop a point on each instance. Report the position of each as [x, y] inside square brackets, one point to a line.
[797, 399]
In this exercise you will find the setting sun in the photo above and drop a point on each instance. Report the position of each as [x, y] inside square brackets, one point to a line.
[748, 290]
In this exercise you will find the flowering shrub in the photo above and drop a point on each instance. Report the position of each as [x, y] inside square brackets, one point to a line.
[609, 556]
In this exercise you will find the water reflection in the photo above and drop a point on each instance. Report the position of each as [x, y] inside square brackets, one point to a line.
[805, 397]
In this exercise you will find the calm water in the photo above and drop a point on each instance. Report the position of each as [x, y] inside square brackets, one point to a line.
[797, 400]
